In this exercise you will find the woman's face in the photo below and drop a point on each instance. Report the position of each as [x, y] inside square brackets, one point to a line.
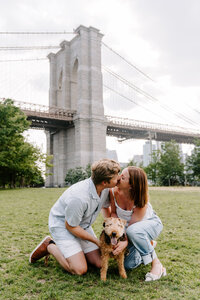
[124, 180]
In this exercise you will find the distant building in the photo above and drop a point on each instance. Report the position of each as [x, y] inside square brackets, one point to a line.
[138, 159]
[111, 154]
[148, 148]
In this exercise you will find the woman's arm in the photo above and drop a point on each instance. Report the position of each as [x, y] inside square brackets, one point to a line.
[106, 211]
[138, 214]
[82, 234]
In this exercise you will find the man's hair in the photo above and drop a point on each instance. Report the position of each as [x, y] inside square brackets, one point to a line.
[139, 186]
[104, 170]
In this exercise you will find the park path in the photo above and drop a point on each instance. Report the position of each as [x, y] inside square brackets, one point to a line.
[175, 188]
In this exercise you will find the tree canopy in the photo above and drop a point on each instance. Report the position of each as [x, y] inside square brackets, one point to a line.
[19, 160]
[193, 164]
[171, 169]
[166, 167]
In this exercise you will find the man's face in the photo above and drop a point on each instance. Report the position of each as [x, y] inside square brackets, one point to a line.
[113, 181]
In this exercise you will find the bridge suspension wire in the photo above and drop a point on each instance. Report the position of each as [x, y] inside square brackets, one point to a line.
[130, 100]
[28, 48]
[21, 60]
[128, 62]
[128, 83]
[140, 91]
[37, 32]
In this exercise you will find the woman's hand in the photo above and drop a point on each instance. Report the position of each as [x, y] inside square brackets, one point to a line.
[120, 247]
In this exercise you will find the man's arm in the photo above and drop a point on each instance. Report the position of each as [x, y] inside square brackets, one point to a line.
[82, 234]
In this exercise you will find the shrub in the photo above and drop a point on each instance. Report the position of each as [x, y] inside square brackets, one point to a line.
[75, 175]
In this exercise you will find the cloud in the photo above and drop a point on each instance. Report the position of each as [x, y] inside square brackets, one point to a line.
[159, 37]
[172, 27]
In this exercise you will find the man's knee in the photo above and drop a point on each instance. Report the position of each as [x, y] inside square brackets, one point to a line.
[76, 270]
[81, 270]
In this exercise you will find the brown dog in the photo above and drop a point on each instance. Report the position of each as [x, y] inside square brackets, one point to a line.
[114, 231]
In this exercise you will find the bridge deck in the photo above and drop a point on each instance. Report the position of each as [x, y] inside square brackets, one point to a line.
[48, 118]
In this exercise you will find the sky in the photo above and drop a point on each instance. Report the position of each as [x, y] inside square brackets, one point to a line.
[160, 37]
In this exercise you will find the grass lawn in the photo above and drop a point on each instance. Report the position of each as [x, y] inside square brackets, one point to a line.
[24, 222]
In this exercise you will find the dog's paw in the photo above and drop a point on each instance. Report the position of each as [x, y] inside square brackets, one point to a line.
[103, 279]
[124, 276]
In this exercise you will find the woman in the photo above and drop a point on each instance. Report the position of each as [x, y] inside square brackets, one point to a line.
[129, 201]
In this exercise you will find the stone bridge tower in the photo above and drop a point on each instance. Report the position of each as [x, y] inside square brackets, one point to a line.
[76, 84]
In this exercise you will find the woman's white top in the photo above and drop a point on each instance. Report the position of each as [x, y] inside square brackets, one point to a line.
[127, 214]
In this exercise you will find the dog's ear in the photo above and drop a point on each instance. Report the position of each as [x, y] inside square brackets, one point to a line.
[123, 221]
[104, 223]
[107, 238]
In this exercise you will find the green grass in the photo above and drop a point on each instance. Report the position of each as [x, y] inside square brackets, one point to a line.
[24, 222]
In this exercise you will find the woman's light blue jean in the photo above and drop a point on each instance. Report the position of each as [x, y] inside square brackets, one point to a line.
[140, 235]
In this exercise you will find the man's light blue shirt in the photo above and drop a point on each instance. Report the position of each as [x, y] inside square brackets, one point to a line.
[79, 205]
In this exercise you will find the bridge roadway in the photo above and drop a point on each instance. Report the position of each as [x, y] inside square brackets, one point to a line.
[54, 118]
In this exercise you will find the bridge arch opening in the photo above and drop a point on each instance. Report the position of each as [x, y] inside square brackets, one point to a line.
[59, 89]
[60, 80]
[74, 85]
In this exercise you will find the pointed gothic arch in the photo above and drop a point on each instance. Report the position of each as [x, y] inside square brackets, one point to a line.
[74, 85]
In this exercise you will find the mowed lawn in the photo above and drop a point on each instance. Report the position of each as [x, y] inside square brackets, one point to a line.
[24, 222]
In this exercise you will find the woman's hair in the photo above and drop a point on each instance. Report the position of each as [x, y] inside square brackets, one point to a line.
[104, 170]
[139, 186]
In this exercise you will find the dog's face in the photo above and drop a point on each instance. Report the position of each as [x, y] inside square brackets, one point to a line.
[114, 229]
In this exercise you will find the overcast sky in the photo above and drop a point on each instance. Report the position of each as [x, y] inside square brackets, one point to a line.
[161, 37]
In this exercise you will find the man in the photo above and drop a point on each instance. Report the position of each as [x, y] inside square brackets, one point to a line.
[71, 217]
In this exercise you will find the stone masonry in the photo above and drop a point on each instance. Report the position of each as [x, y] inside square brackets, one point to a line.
[76, 84]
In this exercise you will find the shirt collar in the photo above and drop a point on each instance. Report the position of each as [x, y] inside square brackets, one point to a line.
[93, 191]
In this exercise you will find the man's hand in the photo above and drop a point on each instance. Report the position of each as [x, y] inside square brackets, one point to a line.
[97, 242]
[120, 247]
[82, 234]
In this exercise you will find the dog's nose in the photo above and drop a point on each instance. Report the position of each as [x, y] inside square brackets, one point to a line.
[114, 234]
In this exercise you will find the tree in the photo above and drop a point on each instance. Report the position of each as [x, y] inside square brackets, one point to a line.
[134, 163]
[152, 169]
[75, 175]
[171, 169]
[18, 159]
[193, 164]
[131, 163]
[88, 170]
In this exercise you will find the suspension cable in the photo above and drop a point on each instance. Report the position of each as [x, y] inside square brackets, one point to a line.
[128, 83]
[140, 91]
[130, 100]
[128, 62]
[41, 32]
[25, 59]
[28, 48]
